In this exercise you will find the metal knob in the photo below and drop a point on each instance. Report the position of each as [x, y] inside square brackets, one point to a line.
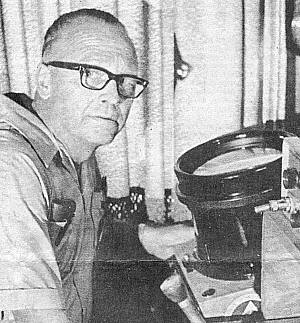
[287, 204]
[290, 178]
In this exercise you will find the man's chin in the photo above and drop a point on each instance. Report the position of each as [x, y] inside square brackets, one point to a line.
[101, 133]
[107, 139]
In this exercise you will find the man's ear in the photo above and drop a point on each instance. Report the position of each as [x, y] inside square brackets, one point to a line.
[43, 81]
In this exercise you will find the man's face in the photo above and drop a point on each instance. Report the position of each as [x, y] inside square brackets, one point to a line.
[92, 117]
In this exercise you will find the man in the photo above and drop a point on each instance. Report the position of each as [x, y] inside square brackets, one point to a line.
[86, 83]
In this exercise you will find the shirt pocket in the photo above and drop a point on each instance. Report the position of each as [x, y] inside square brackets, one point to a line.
[60, 218]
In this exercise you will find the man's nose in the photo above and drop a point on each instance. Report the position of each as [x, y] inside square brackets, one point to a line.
[110, 93]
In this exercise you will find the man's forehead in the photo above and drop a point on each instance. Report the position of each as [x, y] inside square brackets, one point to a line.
[92, 41]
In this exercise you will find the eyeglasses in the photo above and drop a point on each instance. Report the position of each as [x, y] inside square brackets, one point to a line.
[96, 78]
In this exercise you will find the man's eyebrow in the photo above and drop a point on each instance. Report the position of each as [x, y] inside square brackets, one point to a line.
[93, 66]
[63, 64]
[100, 68]
[76, 66]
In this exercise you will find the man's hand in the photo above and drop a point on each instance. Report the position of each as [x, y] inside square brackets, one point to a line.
[174, 289]
[163, 241]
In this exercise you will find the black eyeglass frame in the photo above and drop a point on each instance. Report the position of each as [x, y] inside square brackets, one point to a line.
[111, 76]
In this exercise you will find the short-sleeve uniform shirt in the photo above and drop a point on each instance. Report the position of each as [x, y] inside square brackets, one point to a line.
[45, 262]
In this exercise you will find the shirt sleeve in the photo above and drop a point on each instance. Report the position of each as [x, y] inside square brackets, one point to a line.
[29, 274]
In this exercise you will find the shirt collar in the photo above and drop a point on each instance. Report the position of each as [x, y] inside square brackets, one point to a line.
[31, 127]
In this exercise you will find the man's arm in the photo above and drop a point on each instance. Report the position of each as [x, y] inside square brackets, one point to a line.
[30, 284]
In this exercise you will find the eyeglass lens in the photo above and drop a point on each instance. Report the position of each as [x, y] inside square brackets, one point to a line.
[97, 80]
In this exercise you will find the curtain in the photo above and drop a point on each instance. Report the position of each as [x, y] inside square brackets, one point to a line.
[236, 53]
[296, 37]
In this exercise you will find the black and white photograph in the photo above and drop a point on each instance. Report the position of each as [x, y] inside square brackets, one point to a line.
[149, 161]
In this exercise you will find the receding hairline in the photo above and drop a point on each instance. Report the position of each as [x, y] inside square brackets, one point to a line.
[64, 25]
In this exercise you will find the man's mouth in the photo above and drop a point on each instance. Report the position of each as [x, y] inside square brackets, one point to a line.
[106, 118]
